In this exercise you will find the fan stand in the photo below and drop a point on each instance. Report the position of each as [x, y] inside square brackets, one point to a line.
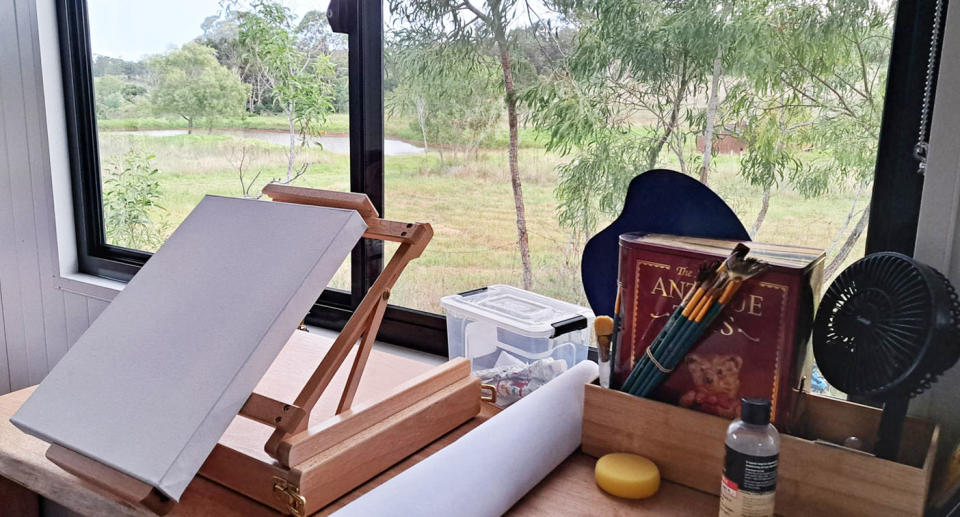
[891, 427]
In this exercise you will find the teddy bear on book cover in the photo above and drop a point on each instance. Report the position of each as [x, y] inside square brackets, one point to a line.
[716, 384]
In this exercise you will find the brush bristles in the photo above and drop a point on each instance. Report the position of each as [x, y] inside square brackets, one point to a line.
[738, 253]
[745, 268]
[707, 271]
[603, 325]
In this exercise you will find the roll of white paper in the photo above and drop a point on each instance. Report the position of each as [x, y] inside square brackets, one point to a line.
[490, 468]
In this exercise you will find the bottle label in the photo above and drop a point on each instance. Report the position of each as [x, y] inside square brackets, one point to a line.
[748, 485]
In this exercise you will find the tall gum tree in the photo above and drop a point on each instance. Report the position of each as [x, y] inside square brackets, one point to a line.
[633, 61]
[806, 84]
[299, 76]
[478, 27]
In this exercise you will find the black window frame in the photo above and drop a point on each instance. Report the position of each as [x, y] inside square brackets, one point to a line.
[893, 218]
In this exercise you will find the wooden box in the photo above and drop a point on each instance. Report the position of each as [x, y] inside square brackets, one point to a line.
[402, 405]
[814, 478]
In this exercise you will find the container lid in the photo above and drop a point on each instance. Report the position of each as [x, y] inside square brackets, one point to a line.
[520, 311]
[755, 411]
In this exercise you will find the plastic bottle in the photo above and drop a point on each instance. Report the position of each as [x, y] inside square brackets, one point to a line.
[750, 468]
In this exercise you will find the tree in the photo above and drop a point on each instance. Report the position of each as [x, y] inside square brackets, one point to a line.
[826, 70]
[772, 128]
[112, 95]
[633, 60]
[316, 38]
[192, 84]
[131, 198]
[808, 80]
[300, 77]
[474, 29]
[108, 95]
[129, 70]
[736, 34]
[453, 101]
[221, 32]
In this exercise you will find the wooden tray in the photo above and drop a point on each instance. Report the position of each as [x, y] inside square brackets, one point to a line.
[401, 406]
[814, 479]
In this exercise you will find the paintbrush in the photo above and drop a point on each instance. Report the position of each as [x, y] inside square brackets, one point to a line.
[706, 275]
[615, 333]
[603, 326]
[737, 272]
[711, 280]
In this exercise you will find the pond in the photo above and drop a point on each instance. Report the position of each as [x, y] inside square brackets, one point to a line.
[337, 144]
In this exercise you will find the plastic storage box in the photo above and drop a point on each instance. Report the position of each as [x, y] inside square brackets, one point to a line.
[499, 324]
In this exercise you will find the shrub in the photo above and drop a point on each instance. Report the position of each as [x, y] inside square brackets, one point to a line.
[130, 201]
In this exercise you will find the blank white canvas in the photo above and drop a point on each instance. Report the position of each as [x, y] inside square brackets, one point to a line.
[152, 384]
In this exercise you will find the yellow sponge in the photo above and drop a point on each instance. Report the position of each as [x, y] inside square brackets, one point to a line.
[627, 475]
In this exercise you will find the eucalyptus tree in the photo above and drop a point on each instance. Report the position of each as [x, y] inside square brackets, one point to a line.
[801, 81]
[476, 30]
[623, 95]
[822, 75]
[301, 82]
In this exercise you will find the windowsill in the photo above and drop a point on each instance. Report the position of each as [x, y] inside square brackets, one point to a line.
[89, 285]
[407, 353]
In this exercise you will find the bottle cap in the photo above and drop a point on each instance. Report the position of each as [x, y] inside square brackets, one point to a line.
[755, 411]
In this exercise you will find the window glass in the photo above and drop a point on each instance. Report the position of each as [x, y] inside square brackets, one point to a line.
[213, 97]
[776, 105]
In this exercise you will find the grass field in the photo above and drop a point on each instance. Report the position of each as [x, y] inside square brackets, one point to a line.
[469, 203]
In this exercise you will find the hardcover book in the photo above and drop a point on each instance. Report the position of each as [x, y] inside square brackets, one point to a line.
[756, 348]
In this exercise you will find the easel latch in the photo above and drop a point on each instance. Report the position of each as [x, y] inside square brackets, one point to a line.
[289, 494]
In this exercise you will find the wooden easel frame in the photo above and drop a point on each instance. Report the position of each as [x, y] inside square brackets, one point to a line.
[291, 419]
[311, 461]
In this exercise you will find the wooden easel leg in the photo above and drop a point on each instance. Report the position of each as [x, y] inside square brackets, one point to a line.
[363, 352]
[352, 331]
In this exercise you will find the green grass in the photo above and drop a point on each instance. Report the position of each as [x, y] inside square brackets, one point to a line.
[469, 204]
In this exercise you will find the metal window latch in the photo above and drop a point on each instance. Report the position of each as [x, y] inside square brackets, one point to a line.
[289, 494]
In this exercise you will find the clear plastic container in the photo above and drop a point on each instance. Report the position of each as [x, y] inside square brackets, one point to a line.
[501, 325]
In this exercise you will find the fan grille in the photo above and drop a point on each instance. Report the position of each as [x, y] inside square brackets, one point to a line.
[873, 324]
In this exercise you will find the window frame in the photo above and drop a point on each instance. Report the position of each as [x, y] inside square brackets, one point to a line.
[897, 187]
[893, 217]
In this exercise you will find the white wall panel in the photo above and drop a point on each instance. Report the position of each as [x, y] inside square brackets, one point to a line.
[76, 316]
[4, 367]
[94, 308]
[38, 320]
[15, 251]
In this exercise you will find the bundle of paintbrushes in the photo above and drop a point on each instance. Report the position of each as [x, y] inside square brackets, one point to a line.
[717, 283]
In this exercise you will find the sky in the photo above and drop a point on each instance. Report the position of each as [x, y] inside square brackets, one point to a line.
[132, 29]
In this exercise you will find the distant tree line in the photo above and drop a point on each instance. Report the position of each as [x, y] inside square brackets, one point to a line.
[239, 42]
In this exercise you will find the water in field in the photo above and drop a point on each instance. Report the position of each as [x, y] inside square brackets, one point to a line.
[330, 143]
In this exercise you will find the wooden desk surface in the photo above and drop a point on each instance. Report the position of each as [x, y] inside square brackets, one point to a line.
[569, 490]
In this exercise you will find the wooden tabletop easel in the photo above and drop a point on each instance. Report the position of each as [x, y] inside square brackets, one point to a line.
[315, 465]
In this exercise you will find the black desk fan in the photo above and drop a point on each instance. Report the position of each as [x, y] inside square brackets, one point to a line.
[886, 328]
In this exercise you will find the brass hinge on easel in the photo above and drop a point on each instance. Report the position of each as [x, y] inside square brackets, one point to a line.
[289, 494]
